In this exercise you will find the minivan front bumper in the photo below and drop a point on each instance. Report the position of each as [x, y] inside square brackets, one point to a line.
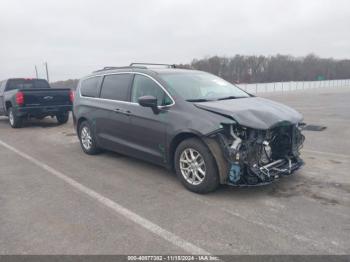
[258, 176]
[250, 157]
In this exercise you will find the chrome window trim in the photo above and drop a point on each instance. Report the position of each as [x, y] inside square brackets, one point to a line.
[121, 101]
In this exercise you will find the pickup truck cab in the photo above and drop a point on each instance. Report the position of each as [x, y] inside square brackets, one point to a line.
[22, 98]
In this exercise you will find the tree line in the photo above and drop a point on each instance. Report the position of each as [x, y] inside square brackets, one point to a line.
[262, 69]
[278, 68]
[70, 83]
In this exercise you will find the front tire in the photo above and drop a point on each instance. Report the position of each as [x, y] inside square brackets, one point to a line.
[14, 120]
[87, 139]
[62, 118]
[196, 167]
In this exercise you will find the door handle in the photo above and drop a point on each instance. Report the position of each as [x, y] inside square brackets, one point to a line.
[122, 111]
[126, 112]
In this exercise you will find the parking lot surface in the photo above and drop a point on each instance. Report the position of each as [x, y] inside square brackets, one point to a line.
[54, 199]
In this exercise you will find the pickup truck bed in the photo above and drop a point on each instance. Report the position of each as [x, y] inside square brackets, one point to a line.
[20, 101]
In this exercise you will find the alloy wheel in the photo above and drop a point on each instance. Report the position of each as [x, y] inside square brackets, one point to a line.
[86, 138]
[192, 166]
[11, 118]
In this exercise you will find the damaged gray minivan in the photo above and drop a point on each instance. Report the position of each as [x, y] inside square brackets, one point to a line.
[208, 130]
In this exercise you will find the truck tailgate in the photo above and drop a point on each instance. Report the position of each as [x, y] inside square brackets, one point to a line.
[46, 97]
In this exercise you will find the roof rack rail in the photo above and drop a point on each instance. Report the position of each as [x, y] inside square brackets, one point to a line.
[118, 67]
[153, 64]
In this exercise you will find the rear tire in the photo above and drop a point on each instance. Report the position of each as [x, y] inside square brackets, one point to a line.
[14, 120]
[62, 118]
[87, 139]
[196, 167]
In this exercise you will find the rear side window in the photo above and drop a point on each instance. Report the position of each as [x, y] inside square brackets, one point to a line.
[90, 87]
[116, 87]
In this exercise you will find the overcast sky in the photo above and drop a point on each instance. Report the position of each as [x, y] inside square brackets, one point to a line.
[76, 37]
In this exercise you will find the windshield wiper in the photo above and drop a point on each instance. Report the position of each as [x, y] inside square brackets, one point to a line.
[198, 100]
[227, 97]
[230, 97]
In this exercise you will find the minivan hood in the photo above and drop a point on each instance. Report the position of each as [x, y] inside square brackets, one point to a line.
[253, 112]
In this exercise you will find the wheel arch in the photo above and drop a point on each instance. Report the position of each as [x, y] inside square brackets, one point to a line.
[8, 104]
[80, 120]
[175, 142]
[211, 143]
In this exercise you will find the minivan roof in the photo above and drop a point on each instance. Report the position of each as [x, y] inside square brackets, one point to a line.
[140, 69]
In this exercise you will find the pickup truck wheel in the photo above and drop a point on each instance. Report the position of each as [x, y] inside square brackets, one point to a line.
[62, 118]
[196, 167]
[14, 120]
[87, 139]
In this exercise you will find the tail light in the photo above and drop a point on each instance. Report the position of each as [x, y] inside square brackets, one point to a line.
[71, 96]
[20, 98]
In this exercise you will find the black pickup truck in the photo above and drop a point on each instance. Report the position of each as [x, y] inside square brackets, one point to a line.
[22, 98]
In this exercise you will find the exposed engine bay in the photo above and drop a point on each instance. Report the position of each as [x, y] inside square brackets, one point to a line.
[259, 157]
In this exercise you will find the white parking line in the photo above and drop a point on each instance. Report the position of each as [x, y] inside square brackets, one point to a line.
[128, 214]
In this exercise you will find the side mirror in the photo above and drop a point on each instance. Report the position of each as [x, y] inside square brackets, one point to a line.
[149, 101]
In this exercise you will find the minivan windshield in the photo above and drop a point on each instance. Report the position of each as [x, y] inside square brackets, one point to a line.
[26, 83]
[199, 86]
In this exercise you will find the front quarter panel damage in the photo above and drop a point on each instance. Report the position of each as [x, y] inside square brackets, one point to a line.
[222, 164]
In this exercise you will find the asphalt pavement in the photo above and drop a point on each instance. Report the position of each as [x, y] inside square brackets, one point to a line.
[54, 199]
